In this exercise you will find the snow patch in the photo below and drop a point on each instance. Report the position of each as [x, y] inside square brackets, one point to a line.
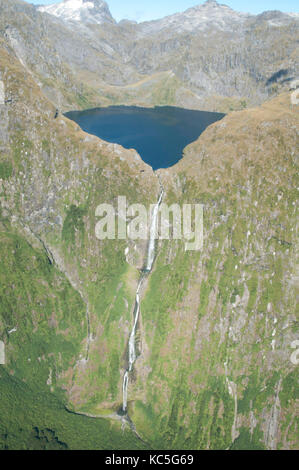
[85, 11]
[70, 9]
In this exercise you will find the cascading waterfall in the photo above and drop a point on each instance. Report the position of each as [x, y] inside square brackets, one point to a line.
[152, 238]
[148, 268]
[125, 390]
[132, 350]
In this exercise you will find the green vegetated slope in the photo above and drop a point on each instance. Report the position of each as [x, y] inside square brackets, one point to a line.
[50, 320]
[64, 294]
[218, 324]
[39, 421]
[43, 318]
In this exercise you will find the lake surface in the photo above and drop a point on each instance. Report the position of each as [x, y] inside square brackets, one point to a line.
[158, 134]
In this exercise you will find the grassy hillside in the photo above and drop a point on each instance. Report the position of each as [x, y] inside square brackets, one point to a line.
[218, 324]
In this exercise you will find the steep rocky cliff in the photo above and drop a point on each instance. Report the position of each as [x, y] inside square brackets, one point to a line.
[218, 325]
[216, 329]
[65, 296]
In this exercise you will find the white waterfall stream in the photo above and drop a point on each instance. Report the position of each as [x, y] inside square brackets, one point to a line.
[149, 264]
[125, 390]
[152, 238]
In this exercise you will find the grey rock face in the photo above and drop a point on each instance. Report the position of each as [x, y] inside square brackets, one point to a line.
[213, 54]
[199, 18]
[2, 93]
[3, 118]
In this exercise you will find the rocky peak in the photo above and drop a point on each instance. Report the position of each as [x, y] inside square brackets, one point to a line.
[212, 3]
[215, 10]
[84, 11]
[201, 17]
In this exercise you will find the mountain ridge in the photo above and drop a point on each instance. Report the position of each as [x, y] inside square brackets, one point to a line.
[66, 8]
[209, 68]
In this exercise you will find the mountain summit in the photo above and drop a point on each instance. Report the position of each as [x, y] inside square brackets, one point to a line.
[84, 11]
[203, 17]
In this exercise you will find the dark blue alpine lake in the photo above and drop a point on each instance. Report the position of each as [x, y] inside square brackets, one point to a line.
[158, 134]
